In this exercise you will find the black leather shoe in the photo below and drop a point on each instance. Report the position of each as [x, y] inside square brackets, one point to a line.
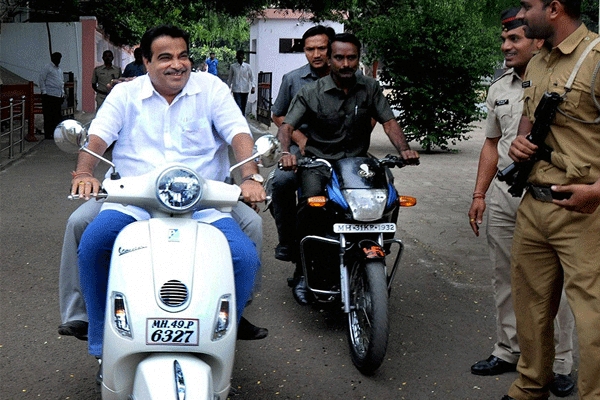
[79, 329]
[492, 366]
[283, 252]
[562, 385]
[247, 331]
[300, 292]
[507, 397]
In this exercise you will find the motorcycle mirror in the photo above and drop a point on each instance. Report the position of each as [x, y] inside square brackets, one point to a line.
[269, 150]
[70, 136]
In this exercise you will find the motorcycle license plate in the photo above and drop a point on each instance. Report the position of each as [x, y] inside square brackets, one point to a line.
[366, 228]
[170, 331]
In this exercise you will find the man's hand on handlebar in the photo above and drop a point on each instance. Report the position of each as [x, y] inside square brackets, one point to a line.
[253, 192]
[410, 156]
[288, 162]
[85, 186]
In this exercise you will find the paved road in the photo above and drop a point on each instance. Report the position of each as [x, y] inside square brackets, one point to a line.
[442, 317]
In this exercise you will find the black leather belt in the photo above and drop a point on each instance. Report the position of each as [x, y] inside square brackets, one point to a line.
[545, 194]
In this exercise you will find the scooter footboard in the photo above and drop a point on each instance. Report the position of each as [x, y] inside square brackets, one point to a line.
[165, 376]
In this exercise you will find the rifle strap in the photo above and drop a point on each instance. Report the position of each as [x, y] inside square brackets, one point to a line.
[569, 83]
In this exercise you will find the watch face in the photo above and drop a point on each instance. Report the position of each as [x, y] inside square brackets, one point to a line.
[257, 177]
[254, 177]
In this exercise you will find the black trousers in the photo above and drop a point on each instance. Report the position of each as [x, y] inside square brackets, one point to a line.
[51, 110]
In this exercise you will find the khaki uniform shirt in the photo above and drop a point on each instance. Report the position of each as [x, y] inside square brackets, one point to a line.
[102, 76]
[505, 107]
[576, 155]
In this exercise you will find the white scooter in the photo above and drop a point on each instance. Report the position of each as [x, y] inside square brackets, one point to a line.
[170, 325]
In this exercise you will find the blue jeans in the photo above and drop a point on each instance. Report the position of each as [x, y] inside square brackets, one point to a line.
[94, 261]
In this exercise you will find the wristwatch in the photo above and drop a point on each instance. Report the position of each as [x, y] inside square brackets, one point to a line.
[254, 177]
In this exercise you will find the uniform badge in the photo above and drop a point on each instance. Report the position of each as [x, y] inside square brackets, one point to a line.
[502, 102]
[526, 84]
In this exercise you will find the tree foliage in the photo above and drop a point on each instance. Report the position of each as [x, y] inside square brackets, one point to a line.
[435, 55]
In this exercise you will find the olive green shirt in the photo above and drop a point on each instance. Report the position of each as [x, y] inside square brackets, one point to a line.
[338, 125]
[576, 155]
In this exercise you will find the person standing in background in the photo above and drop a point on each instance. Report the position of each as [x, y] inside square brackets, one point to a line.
[212, 64]
[103, 75]
[241, 81]
[136, 67]
[52, 87]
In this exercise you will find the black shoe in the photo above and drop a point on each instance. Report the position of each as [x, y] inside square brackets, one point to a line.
[300, 292]
[79, 329]
[247, 331]
[507, 397]
[562, 385]
[492, 366]
[283, 252]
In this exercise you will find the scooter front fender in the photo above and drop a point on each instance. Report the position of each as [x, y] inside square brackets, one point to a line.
[174, 376]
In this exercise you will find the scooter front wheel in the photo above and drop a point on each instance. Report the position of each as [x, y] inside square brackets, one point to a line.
[368, 327]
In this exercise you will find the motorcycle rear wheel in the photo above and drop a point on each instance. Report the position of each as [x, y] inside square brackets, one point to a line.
[368, 326]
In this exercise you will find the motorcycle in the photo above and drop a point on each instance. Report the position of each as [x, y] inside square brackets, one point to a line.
[170, 325]
[345, 234]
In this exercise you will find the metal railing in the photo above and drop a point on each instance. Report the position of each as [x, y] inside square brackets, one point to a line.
[12, 127]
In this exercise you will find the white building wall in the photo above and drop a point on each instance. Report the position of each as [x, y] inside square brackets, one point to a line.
[264, 40]
[24, 50]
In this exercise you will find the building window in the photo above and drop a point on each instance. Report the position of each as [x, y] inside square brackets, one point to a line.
[290, 46]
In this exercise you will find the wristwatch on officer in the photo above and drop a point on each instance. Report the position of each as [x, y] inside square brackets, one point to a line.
[254, 177]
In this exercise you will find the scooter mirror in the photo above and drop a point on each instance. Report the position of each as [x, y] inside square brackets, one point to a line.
[70, 136]
[268, 149]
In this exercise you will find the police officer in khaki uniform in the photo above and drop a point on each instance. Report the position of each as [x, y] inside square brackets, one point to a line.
[557, 242]
[103, 75]
[505, 106]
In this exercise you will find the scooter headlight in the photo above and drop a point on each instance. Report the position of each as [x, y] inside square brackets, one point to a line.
[366, 204]
[179, 188]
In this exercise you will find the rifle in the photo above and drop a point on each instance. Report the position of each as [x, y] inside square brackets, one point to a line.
[517, 173]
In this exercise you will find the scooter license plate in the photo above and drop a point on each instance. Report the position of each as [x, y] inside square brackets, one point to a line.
[171, 331]
[366, 228]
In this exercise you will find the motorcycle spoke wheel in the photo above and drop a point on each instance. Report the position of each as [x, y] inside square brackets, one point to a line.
[368, 321]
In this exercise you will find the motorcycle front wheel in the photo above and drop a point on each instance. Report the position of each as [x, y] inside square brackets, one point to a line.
[368, 320]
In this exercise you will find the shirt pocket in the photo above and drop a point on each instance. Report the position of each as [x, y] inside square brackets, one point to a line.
[529, 101]
[196, 137]
[570, 106]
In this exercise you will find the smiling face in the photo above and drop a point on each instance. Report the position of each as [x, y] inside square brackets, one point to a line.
[517, 49]
[170, 66]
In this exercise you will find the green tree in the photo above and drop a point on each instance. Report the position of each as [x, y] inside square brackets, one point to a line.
[435, 54]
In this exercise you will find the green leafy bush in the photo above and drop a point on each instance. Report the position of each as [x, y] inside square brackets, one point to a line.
[435, 55]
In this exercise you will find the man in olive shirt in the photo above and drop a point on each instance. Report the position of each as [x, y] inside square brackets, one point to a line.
[557, 242]
[337, 110]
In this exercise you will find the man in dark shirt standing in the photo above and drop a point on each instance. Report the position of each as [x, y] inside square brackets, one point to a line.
[337, 111]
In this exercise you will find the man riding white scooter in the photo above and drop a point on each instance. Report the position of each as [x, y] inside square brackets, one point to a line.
[169, 115]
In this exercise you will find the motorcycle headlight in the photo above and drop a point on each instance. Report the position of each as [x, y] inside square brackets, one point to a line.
[179, 188]
[366, 204]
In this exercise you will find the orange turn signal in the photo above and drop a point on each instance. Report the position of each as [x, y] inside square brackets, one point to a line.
[407, 201]
[317, 201]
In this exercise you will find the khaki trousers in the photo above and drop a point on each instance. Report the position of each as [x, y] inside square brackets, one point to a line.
[550, 245]
[501, 216]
